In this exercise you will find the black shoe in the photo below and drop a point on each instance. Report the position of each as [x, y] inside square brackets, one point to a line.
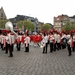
[50, 52]
[18, 50]
[10, 55]
[6, 52]
[69, 55]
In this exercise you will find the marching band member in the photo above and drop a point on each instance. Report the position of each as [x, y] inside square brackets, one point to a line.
[51, 39]
[27, 42]
[73, 42]
[19, 38]
[46, 38]
[35, 40]
[43, 43]
[64, 40]
[69, 45]
[9, 43]
[58, 41]
[2, 41]
[39, 38]
[23, 36]
[12, 41]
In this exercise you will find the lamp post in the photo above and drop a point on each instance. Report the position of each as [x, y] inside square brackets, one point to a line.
[61, 24]
[23, 26]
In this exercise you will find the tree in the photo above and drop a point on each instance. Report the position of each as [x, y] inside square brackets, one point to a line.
[27, 25]
[72, 26]
[46, 26]
[67, 27]
[2, 23]
[19, 24]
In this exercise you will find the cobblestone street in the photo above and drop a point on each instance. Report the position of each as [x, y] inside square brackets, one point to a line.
[37, 63]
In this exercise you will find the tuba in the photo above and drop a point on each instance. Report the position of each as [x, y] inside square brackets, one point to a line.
[9, 26]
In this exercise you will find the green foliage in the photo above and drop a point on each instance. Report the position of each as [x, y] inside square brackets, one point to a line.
[69, 26]
[27, 25]
[73, 27]
[46, 26]
[19, 24]
[2, 23]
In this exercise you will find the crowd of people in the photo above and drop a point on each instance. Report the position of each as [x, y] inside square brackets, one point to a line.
[56, 41]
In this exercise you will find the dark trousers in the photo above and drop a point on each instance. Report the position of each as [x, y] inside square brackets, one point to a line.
[45, 48]
[2, 46]
[69, 49]
[12, 47]
[56, 46]
[18, 46]
[27, 48]
[51, 47]
[10, 50]
[7, 48]
[63, 46]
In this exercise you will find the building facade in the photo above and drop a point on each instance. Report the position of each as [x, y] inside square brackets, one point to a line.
[2, 14]
[60, 21]
[40, 26]
[72, 20]
[22, 17]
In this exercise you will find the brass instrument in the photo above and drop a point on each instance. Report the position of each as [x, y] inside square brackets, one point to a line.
[9, 26]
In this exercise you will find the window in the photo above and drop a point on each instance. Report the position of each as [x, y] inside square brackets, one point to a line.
[1, 14]
[64, 23]
[59, 23]
[55, 23]
[65, 18]
[57, 18]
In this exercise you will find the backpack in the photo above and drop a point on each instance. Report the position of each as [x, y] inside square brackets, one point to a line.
[64, 41]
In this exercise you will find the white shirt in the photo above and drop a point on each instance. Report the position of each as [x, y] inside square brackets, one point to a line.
[63, 36]
[51, 38]
[55, 37]
[27, 40]
[58, 39]
[46, 38]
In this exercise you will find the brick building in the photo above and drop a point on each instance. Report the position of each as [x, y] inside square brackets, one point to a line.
[60, 21]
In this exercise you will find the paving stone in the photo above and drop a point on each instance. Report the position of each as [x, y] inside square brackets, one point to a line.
[36, 63]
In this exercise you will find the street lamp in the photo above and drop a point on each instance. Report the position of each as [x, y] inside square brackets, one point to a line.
[61, 25]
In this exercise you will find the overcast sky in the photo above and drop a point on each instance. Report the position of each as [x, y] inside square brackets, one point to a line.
[44, 10]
